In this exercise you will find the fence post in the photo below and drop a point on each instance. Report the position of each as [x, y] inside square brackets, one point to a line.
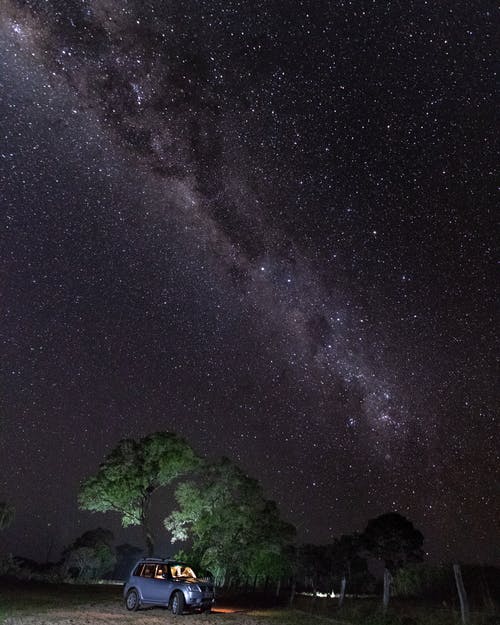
[342, 590]
[464, 605]
[278, 588]
[292, 592]
[387, 588]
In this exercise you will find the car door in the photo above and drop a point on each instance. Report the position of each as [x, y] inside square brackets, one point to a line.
[160, 586]
[149, 588]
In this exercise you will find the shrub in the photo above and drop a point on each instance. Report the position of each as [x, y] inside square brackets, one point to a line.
[419, 580]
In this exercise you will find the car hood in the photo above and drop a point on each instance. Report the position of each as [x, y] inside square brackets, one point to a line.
[202, 583]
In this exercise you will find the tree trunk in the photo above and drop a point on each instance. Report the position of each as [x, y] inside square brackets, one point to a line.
[342, 591]
[292, 593]
[488, 602]
[149, 540]
[387, 587]
[50, 546]
[146, 527]
[464, 604]
[278, 588]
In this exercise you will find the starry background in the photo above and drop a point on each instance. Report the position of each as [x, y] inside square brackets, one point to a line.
[267, 226]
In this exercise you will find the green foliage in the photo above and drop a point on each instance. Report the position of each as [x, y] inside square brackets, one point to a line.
[7, 514]
[132, 472]
[86, 563]
[393, 539]
[235, 531]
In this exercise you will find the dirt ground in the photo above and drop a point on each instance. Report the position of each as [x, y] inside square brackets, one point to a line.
[35, 603]
[115, 614]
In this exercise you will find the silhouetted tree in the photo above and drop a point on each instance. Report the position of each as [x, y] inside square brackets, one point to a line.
[347, 560]
[132, 472]
[393, 539]
[313, 566]
[7, 514]
[320, 567]
[126, 557]
[97, 536]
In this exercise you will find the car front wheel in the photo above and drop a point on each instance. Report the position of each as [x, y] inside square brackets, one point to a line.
[132, 600]
[178, 603]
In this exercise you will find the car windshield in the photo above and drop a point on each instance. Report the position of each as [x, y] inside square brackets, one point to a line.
[181, 570]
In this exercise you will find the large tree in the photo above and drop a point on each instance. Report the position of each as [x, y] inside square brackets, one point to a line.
[7, 514]
[132, 472]
[393, 539]
[234, 530]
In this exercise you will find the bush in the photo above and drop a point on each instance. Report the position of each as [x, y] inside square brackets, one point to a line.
[422, 580]
[28, 570]
[8, 566]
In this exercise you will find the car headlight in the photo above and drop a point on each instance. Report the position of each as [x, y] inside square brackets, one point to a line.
[194, 588]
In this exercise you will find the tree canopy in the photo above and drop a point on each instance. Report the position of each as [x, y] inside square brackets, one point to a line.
[130, 475]
[234, 530]
[393, 539]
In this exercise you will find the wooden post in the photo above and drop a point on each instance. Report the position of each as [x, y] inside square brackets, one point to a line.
[278, 588]
[292, 592]
[342, 591]
[343, 584]
[464, 604]
[387, 588]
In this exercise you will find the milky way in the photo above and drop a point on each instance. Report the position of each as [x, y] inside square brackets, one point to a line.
[282, 246]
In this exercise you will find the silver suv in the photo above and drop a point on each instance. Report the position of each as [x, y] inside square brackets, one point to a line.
[167, 583]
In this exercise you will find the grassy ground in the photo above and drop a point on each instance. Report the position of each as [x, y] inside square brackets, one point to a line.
[400, 612]
[282, 616]
[18, 598]
[23, 600]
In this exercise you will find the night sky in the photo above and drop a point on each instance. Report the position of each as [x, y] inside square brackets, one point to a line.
[267, 226]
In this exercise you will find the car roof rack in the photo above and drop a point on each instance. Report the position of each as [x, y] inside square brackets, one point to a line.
[166, 559]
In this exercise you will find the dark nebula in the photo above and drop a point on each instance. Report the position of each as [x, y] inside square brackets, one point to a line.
[267, 226]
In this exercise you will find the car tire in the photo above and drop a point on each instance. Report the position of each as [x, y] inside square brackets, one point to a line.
[177, 603]
[132, 602]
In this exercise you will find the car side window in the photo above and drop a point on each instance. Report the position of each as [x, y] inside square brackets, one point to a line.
[138, 570]
[148, 570]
